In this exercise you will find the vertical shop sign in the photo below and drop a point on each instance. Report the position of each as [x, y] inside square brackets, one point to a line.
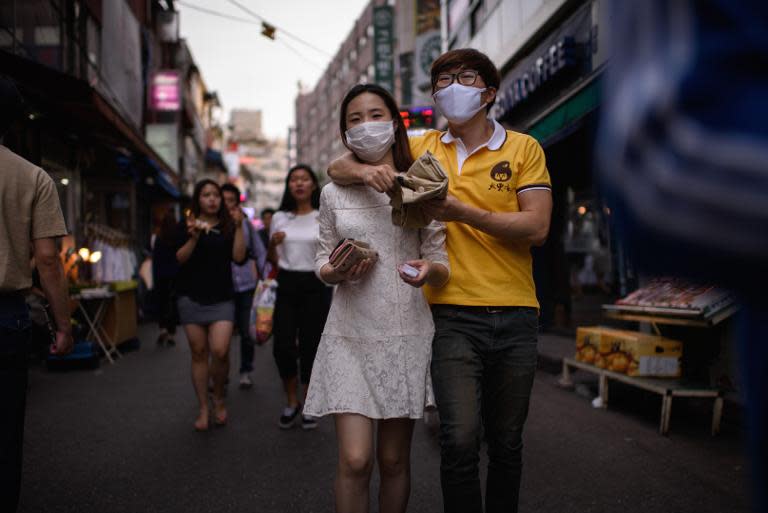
[166, 92]
[428, 48]
[383, 27]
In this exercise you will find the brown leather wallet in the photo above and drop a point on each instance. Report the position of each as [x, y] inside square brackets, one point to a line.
[349, 252]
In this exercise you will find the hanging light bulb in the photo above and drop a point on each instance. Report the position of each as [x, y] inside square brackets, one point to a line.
[95, 257]
[84, 253]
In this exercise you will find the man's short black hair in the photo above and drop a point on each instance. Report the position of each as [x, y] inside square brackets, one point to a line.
[228, 187]
[11, 104]
[267, 211]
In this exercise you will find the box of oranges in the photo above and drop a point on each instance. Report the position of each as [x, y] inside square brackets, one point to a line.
[629, 352]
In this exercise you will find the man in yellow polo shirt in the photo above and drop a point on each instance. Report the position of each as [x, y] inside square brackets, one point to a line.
[486, 317]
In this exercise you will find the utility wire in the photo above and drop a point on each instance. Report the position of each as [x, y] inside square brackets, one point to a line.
[215, 13]
[261, 19]
[250, 22]
[301, 55]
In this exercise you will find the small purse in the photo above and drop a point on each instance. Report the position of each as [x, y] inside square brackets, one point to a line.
[349, 252]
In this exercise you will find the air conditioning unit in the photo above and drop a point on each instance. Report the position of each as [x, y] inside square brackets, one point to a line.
[168, 26]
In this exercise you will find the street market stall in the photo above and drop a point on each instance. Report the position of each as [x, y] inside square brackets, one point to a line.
[648, 360]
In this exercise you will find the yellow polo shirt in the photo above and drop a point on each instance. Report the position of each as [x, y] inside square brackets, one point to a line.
[485, 270]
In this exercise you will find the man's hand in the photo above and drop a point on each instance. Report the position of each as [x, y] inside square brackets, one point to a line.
[380, 178]
[63, 343]
[448, 209]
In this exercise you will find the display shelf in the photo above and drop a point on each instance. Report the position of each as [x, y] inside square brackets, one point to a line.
[668, 389]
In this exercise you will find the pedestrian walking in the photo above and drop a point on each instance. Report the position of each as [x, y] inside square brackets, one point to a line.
[31, 217]
[244, 279]
[209, 241]
[372, 367]
[302, 302]
[486, 318]
[266, 220]
[165, 268]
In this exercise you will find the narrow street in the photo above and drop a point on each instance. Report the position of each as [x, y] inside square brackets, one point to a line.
[120, 439]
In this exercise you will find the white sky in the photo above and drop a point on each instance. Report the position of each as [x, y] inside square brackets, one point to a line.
[250, 71]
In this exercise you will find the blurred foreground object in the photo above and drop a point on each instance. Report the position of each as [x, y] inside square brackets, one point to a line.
[683, 151]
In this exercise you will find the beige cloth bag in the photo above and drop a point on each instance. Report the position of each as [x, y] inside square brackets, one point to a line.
[424, 180]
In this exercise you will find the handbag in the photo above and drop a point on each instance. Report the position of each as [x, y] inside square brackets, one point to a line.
[349, 252]
[262, 311]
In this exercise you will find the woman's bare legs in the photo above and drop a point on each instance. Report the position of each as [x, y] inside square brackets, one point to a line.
[354, 434]
[197, 336]
[394, 458]
[219, 336]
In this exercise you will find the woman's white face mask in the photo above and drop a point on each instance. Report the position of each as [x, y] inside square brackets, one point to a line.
[372, 140]
[459, 103]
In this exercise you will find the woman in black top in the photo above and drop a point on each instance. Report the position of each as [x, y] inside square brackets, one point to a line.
[212, 240]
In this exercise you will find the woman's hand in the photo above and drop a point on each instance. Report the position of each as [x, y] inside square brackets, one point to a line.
[237, 216]
[277, 239]
[194, 228]
[354, 273]
[423, 266]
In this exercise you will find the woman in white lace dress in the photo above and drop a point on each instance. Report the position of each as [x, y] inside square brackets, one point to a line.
[372, 365]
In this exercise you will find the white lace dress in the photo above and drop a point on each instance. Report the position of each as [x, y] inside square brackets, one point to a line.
[376, 347]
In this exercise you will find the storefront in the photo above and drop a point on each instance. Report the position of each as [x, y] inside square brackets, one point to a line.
[553, 94]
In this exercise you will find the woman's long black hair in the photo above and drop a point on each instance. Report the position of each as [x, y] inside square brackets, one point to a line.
[226, 225]
[401, 151]
[288, 203]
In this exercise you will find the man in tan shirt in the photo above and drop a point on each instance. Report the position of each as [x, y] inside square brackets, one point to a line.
[30, 217]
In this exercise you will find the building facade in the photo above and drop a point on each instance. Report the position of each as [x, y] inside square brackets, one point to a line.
[117, 111]
[256, 164]
[317, 117]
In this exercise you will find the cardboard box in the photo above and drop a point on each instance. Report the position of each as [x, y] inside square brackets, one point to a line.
[629, 352]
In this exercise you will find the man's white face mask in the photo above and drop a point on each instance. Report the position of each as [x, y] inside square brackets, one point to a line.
[459, 103]
[372, 140]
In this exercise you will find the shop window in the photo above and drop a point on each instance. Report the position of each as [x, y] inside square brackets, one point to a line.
[477, 18]
[33, 28]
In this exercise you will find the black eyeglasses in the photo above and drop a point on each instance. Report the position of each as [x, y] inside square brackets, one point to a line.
[465, 77]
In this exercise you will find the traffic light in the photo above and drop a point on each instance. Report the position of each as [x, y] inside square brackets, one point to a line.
[418, 117]
[268, 30]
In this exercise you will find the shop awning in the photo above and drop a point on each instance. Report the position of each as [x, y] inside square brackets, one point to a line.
[567, 116]
[74, 103]
[163, 180]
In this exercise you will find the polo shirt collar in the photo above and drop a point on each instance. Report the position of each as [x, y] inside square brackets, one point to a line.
[494, 143]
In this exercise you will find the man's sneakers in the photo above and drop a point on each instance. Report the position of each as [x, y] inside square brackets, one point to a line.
[289, 416]
[245, 381]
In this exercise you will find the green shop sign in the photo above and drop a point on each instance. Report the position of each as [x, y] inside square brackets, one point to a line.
[383, 55]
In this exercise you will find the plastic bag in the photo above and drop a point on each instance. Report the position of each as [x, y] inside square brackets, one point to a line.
[262, 310]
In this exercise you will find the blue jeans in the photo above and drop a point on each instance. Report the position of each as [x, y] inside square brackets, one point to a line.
[14, 336]
[483, 366]
[243, 302]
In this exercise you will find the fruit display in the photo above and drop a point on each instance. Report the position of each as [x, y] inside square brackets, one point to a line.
[629, 352]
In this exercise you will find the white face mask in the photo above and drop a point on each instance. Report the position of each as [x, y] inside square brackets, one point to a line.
[372, 140]
[459, 103]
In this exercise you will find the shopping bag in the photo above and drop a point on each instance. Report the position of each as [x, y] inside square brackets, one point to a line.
[262, 308]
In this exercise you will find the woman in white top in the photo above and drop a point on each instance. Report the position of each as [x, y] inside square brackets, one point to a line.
[373, 362]
[302, 302]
